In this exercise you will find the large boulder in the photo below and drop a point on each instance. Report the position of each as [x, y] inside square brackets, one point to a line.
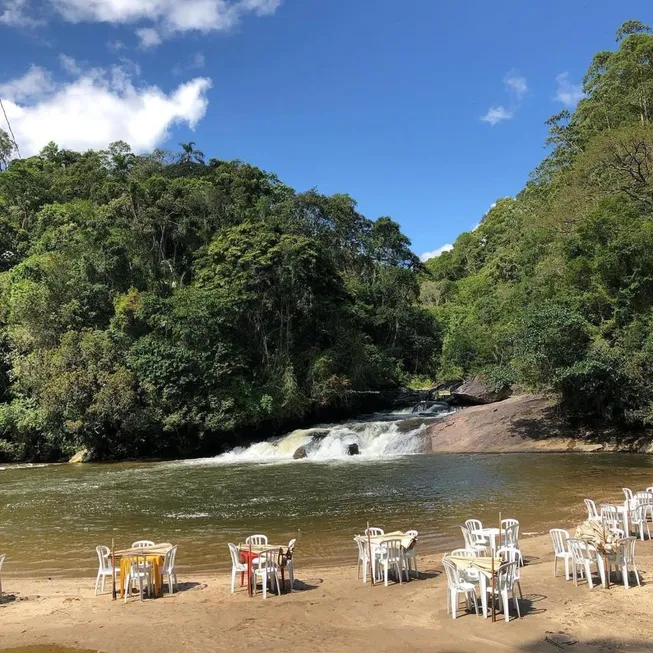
[352, 449]
[476, 392]
[82, 456]
[300, 453]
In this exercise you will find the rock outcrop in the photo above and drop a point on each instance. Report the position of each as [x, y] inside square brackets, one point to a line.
[82, 456]
[300, 453]
[352, 449]
[476, 392]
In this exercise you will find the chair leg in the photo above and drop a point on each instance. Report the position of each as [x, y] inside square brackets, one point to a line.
[555, 565]
[506, 605]
[454, 602]
[566, 568]
[97, 582]
[233, 580]
[588, 573]
[475, 600]
[521, 596]
[515, 601]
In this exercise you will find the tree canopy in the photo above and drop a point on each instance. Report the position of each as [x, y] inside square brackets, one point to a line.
[158, 305]
[554, 289]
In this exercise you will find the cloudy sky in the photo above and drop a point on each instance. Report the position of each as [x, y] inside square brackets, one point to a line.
[422, 110]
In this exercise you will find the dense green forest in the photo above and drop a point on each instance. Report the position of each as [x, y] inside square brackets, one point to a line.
[554, 289]
[165, 305]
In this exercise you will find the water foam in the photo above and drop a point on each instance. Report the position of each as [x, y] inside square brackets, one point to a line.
[375, 439]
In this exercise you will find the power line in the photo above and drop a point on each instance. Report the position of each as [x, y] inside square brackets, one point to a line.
[11, 131]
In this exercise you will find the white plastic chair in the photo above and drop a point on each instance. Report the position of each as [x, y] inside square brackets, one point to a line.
[469, 575]
[592, 512]
[457, 586]
[168, 569]
[257, 540]
[267, 570]
[236, 566]
[471, 543]
[640, 516]
[104, 569]
[391, 554]
[410, 555]
[611, 518]
[560, 549]
[372, 531]
[582, 559]
[140, 572]
[290, 565]
[510, 539]
[625, 560]
[140, 544]
[2, 559]
[509, 554]
[504, 586]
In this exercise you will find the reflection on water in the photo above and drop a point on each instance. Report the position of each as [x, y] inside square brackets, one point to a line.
[201, 505]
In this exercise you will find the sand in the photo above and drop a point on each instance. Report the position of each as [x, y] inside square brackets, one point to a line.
[333, 611]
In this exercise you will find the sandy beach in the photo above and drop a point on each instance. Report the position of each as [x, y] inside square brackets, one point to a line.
[333, 611]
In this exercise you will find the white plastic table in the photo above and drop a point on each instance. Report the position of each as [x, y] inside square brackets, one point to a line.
[491, 534]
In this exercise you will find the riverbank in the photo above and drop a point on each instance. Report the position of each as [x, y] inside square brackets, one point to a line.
[332, 611]
[526, 424]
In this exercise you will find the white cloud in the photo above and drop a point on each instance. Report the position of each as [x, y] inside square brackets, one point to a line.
[32, 84]
[568, 93]
[436, 252]
[158, 19]
[115, 46]
[14, 13]
[496, 114]
[197, 61]
[96, 108]
[516, 85]
[69, 64]
[149, 37]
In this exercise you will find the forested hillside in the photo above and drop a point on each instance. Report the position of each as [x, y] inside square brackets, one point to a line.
[153, 305]
[554, 289]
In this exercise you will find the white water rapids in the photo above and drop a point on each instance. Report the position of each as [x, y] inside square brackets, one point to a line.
[377, 438]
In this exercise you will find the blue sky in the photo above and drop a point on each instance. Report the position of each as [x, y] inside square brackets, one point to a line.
[379, 99]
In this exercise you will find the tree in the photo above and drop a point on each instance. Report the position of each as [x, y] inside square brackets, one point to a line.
[189, 154]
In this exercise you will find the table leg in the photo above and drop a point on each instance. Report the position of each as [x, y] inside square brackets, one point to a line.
[602, 571]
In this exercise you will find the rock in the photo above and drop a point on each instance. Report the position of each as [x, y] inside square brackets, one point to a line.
[352, 449]
[300, 453]
[475, 392]
[82, 456]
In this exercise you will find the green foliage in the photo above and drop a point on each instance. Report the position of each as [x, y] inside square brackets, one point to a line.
[554, 289]
[156, 305]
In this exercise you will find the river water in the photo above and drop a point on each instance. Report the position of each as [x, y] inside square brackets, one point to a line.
[52, 517]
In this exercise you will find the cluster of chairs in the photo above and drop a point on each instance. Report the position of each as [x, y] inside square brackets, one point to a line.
[467, 582]
[265, 567]
[579, 556]
[636, 511]
[387, 555]
[140, 572]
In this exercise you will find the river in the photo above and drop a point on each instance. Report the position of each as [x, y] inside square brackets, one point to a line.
[53, 516]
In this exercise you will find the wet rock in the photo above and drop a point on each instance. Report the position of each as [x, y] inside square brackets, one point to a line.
[300, 453]
[352, 449]
[476, 392]
[82, 456]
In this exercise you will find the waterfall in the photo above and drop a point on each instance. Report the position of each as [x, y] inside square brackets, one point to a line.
[379, 437]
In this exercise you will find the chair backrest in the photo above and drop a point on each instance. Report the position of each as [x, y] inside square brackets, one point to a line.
[510, 554]
[137, 563]
[2, 559]
[103, 554]
[559, 538]
[372, 530]
[592, 512]
[474, 525]
[628, 493]
[467, 536]
[169, 558]
[464, 553]
[139, 544]
[642, 498]
[291, 544]
[507, 523]
[627, 545]
[506, 575]
[452, 573]
[579, 549]
[235, 555]
[268, 559]
[610, 516]
[391, 549]
[412, 533]
[257, 540]
[511, 536]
